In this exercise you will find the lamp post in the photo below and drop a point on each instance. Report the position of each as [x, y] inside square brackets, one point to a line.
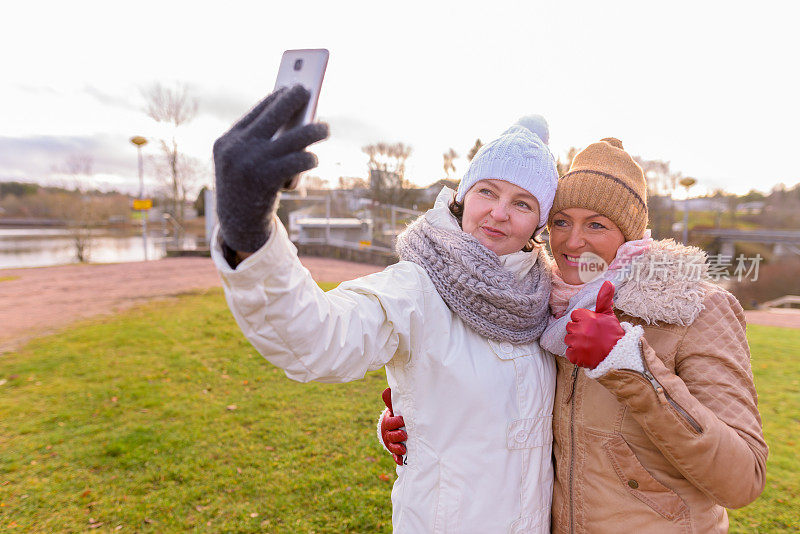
[140, 141]
[687, 183]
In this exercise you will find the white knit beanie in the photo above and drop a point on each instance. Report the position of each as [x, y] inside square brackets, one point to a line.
[520, 156]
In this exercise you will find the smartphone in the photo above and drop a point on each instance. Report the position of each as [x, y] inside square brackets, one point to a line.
[305, 67]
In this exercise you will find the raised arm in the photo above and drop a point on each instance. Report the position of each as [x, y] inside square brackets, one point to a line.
[332, 337]
[251, 167]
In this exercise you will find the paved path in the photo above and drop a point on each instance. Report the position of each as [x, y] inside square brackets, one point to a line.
[785, 318]
[42, 300]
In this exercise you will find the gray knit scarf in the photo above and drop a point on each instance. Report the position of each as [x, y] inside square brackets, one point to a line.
[474, 284]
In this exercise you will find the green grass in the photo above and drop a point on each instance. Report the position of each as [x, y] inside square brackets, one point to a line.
[776, 368]
[709, 219]
[130, 421]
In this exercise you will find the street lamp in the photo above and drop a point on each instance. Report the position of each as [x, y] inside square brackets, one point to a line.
[687, 183]
[140, 141]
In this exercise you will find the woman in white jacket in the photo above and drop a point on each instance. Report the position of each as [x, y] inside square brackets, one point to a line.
[455, 322]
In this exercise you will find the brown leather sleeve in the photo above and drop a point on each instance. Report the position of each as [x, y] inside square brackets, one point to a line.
[704, 417]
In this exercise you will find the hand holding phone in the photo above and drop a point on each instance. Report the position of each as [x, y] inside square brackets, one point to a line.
[252, 165]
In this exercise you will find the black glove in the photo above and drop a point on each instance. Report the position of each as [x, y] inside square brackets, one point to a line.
[251, 167]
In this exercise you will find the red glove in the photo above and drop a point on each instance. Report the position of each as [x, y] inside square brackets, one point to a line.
[391, 433]
[592, 334]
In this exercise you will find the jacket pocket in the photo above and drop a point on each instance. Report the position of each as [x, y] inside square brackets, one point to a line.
[530, 433]
[532, 438]
[641, 484]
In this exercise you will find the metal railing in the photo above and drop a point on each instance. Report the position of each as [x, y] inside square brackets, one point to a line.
[395, 214]
[779, 303]
[330, 241]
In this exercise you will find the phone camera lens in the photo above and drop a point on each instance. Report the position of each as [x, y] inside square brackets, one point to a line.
[298, 64]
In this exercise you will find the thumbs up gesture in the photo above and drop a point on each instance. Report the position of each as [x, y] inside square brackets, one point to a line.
[592, 334]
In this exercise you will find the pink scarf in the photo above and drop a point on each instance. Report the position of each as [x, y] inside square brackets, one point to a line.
[562, 292]
[552, 339]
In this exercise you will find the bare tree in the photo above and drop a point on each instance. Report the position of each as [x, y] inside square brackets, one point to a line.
[474, 150]
[449, 157]
[77, 209]
[661, 183]
[352, 182]
[660, 180]
[310, 181]
[172, 105]
[189, 171]
[176, 107]
[387, 167]
[563, 166]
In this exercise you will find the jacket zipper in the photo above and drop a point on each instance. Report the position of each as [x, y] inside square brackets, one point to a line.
[574, 377]
[683, 413]
[571, 400]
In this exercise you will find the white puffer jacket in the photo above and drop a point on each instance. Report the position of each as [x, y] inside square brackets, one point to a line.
[478, 413]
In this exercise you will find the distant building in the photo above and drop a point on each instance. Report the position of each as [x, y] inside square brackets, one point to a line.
[429, 193]
[306, 230]
[353, 199]
[703, 204]
[695, 204]
[751, 208]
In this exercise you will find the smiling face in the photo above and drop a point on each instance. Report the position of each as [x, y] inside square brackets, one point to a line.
[501, 215]
[578, 233]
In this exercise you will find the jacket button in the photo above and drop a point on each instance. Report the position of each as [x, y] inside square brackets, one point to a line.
[521, 436]
[632, 483]
[506, 347]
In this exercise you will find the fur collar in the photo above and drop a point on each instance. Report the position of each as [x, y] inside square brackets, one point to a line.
[671, 284]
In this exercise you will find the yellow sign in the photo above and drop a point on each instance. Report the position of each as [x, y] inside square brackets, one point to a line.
[142, 204]
[363, 244]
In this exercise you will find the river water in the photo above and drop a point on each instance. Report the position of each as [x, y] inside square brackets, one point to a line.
[40, 247]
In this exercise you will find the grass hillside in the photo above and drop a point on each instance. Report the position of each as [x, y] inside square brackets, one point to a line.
[164, 419]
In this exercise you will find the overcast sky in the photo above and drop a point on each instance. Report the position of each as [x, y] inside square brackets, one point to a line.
[710, 86]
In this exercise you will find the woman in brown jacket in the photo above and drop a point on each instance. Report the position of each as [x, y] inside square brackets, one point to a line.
[656, 425]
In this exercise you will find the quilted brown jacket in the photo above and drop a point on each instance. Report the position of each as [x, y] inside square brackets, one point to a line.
[669, 450]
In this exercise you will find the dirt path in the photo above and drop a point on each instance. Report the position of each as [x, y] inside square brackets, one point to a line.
[785, 318]
[42, 300]
[38, 301]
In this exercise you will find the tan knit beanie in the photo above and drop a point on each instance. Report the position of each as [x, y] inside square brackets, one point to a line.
[604, 178]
